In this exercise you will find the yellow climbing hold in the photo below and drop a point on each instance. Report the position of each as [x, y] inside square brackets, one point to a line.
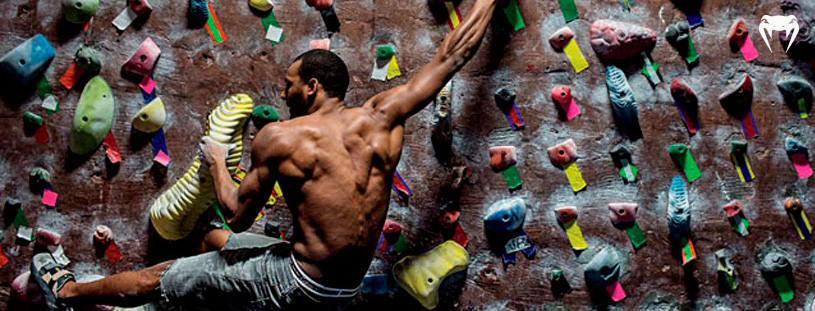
[151, 117]
[261, 5]
[420, 276]
[175, 212]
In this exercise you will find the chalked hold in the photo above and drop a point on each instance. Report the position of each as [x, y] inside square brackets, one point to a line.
[140, 7]
[38, 179]
[261, 5]
[738, 99]
[623, 103]
[421, 276]
[26, 63]
[777, 271]
[798, 95]
[142, 62]
[613, 40]
[264, 114]
[197, 14]
[603, 273]
[505, 216]
[10, 210]
[151, 117]
[802, 45]
[678, 35]
[79, 11]
[89, 60]
[687, 103]
[93, 117]
[31, 123]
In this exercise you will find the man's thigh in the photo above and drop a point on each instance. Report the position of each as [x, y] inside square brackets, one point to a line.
[236, 278]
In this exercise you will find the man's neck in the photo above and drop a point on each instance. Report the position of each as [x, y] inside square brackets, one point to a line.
[323, 105]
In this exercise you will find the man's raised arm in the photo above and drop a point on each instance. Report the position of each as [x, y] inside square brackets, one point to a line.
[458, 47]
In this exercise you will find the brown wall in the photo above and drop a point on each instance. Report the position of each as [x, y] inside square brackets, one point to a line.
[193, 75]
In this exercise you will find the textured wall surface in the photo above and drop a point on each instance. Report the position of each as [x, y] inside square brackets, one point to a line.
[193, 75]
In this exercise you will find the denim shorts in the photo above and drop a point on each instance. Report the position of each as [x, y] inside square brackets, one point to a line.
[252, 272]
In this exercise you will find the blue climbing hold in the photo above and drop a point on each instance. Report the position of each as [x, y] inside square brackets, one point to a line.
[623, 103]
[26, 63]
[506, 215]
[603, 270]
[678, 210]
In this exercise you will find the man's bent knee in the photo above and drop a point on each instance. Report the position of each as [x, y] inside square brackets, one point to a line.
[214, 240]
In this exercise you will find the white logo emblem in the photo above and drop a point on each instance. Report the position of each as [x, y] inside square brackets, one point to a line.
[778, 23]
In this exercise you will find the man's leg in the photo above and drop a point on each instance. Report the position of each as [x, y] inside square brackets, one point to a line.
[127, 289]
[214, 240]
[134, 288]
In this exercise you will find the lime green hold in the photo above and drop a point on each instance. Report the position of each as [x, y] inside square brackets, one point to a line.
[384, 53]
[93, 117]
[79, 11]
[264, 114]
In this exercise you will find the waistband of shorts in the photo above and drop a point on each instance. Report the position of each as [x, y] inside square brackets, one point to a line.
[316, 289]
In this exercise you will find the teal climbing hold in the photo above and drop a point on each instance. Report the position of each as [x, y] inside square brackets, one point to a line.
[26, 63]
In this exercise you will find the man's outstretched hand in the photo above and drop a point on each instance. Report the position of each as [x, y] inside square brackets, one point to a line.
[212, 151]
[320, 4]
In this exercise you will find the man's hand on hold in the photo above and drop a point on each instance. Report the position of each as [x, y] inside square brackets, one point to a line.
[212, 151]
[320, 4]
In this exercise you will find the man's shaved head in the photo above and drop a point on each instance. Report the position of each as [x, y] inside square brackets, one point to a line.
[327, 68]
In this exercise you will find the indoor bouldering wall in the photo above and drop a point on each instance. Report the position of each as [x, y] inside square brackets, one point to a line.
[193, 74]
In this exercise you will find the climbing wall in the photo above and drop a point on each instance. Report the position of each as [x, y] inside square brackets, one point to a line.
[193, 75]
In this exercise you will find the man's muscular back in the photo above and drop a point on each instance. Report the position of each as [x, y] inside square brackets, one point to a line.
[336, 164]
[335, 170]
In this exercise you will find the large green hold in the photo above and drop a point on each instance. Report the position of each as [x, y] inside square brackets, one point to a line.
[79, 11]
[93, 117]
[264, 114]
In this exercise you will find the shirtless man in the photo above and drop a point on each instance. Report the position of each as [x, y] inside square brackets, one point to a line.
[335, 166]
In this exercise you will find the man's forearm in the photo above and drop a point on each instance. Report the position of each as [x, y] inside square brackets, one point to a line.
[457, 48]
[462, 43]
[225, 191]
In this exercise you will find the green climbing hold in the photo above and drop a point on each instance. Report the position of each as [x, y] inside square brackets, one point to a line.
[384, 53]
[31, 122]
[264, 114]
[93, 117]
[89, 60]
[38, 179]
[79, 11]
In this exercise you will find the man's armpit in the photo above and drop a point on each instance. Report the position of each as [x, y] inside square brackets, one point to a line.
[387, 105]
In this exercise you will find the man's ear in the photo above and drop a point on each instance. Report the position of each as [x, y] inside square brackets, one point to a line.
[312, 86]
